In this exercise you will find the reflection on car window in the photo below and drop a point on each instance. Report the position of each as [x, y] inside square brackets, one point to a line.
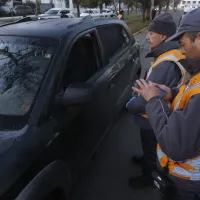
[52, 12]
[114, 39]
[23, 63]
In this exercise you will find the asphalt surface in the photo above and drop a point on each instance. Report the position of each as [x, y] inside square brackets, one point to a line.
[107, 174]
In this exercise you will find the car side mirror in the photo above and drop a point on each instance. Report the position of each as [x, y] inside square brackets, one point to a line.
[76, 94]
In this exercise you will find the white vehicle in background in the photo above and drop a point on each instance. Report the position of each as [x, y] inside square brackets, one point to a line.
[108, 13]
[57, 13]
[92, 12]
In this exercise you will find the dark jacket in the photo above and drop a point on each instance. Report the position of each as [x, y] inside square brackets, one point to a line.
[166, 73]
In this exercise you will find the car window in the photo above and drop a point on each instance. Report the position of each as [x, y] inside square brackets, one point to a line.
[52, 12]
[23, 64]
[114, 39]
[65, 11]
[83, 60]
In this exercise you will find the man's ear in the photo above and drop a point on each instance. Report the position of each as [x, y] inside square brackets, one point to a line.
[164, 37]
[198, 36]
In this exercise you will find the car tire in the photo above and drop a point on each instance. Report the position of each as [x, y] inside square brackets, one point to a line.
[52, 183]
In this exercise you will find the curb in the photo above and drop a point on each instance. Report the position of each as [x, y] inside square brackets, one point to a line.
[140, 31]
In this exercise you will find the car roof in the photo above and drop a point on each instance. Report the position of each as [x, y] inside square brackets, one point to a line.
[53, 28]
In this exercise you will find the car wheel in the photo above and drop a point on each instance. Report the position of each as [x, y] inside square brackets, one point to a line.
[52, 183]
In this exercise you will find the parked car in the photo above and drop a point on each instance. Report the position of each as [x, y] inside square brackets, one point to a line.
[57, 13]
[108, 13]
[91, 12]
[63, 84]
[22, 10]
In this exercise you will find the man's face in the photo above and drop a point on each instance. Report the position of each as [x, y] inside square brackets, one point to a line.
[155, 39]
[189, 48]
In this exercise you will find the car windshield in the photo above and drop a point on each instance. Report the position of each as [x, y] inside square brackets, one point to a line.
[23, 64]
[52, 12]
[88, 11]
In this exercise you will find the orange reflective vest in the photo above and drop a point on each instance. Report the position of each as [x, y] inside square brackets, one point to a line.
[188, 169]
[173, 56]
[119, 16]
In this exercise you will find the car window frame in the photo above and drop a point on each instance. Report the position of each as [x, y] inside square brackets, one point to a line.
[68, 50]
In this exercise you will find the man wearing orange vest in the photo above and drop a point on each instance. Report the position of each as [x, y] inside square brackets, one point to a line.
[177, 129]
[121, 15]
[166, 69]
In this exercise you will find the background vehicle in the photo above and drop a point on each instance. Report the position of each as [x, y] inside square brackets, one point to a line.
[71, 79]
[108, 13]
[22, 10]
[91, 12]
[57, 13]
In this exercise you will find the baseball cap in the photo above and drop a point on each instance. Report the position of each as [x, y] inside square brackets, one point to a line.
[189, 23]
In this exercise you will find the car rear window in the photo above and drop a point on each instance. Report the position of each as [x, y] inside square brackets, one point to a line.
[23, 64]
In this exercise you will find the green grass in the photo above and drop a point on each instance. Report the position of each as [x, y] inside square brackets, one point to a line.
[135, 22]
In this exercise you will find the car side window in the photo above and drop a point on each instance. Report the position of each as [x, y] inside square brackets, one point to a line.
[83, 61]
[114, 39]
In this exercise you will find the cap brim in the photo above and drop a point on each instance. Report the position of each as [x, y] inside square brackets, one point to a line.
[176, 36]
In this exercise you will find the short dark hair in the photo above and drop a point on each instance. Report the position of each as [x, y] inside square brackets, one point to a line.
[192, 35]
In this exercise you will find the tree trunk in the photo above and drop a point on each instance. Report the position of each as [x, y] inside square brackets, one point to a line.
[167, 7]
[160, 8]
[78, 9]
[119, 5]
[143, 14]
[136, 6]
[148, 10]
[128, 9]
[115, 6]
[101, 7]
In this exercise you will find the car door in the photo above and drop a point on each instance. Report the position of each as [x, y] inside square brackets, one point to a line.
[83, 122]
[120, 53]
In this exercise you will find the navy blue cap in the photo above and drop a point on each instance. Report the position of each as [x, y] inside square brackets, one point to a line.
[189, 23]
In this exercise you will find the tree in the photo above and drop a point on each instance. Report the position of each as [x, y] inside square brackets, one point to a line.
[176, 2]
[146, 5]
[3, 1]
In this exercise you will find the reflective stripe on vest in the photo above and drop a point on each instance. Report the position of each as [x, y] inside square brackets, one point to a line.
[188, 169]
[169, 56]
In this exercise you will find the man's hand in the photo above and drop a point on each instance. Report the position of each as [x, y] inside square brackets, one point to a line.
[149, 90]
[168, 96]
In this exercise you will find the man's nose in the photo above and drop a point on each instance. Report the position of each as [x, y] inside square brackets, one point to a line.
[147, 37]
[182, 51]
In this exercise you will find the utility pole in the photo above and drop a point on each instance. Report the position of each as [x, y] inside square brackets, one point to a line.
[152, 7]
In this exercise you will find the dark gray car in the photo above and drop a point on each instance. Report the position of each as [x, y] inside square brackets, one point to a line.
[63, 82]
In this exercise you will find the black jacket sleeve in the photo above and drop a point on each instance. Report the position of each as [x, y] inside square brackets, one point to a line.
[166, 73]
[177, 132]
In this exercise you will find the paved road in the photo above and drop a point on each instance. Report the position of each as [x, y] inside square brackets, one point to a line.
[107, 175]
